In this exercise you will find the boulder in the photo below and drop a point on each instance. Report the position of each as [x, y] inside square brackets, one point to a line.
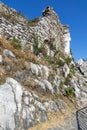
[48, 86]
[40, 87]
[44, 86]
[39, 70]
[8, 53]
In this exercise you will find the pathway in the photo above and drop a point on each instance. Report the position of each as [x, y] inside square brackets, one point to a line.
[70, 124]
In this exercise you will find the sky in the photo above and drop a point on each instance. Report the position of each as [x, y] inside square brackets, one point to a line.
[70, 12]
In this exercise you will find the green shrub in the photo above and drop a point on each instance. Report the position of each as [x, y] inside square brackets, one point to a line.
[36, 48]
[16, 43]
[69, 91]
[67, 80]
[49, 59]
[68, 60]
[43, 49]
[72, 69]
[61, 84]
[60, 62]
[2, 80]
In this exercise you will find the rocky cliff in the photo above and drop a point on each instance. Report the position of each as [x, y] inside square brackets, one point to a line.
[37, 69]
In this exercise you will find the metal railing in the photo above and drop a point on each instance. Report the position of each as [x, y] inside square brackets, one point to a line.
[81, 116]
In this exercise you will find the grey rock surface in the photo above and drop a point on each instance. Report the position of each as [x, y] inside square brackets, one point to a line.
[51, 106]
[10, 104]
[82, 65]
[48, 86]
[8, 53]
[40, 87]
[39, 70]
[18, 107]
[19, 76]
[66, 70]
[1, 59]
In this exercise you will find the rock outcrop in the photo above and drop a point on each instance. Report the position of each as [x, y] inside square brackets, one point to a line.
[36, 56]
[82, 66]
[21, 109]
[18, 107]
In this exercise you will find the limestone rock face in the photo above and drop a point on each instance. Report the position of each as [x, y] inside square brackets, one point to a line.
[21, 109]
[39, 70]
[66, 70]
[10, 104]
[80, 87]
[82, 65]
[18, 107]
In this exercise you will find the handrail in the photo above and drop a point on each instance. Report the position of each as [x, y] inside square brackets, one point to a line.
[81, 116]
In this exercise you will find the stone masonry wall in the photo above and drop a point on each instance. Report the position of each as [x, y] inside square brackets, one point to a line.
[49, 30]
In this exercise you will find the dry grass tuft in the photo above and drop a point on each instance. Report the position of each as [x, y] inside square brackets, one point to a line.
[20, 54]
[4, 44]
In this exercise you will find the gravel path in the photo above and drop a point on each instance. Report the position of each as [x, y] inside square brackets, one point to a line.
[70, 124]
